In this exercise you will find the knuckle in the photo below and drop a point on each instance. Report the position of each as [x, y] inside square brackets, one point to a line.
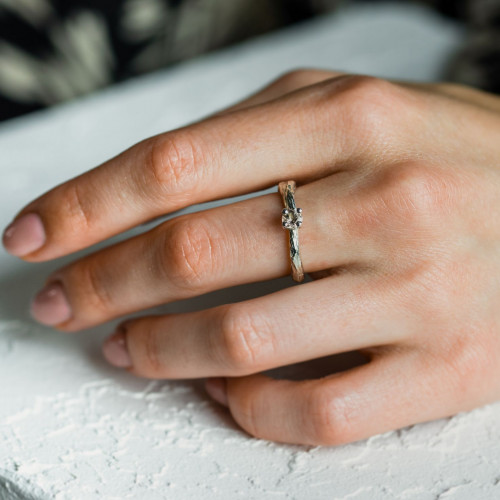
[150, 362]
[189, 253]
[330, 418]
[173, 163]
[76, 210]
[359, 84]
[417, 191]
[359, 91]
[245, 341]
[406, 198]
[366, 105]
[296, 78]
[93, 287]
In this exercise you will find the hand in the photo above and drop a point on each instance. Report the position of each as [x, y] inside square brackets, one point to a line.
[399, 185]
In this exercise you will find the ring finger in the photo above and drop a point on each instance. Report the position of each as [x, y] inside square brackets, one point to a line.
[209, 250]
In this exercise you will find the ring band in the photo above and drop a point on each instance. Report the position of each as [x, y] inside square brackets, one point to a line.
[291, 219]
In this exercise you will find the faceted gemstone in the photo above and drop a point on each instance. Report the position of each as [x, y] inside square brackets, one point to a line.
[291, 218]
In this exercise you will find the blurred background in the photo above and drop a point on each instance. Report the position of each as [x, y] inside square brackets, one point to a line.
[52, 51]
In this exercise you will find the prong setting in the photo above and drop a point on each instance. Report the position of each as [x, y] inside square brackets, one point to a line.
[291, 218]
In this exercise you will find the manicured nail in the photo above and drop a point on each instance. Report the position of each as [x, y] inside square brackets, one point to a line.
[25, 235]
[216, 388]
[115, 350]
[50, 305]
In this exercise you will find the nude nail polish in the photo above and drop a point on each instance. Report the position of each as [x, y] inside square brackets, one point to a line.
[115, 349]
[216, 388]
[50, 305]
[24, 235]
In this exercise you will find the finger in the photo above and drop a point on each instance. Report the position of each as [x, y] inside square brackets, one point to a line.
[394, 390]
[293, 325]
[286, 83]
[209, 250]
[289, 82]
[250, 149]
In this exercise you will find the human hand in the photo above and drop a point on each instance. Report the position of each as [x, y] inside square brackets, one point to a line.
[399, 184]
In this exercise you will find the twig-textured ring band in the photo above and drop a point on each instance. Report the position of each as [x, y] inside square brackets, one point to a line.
[291, 219]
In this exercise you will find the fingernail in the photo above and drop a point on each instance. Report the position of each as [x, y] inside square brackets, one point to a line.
[50, 305]
[25, 235]
[115, 350]
[216, 388]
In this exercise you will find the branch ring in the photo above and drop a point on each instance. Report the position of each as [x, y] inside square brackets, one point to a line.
[291, 219]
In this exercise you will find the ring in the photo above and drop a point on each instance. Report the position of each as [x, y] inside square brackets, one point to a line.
[291, 219]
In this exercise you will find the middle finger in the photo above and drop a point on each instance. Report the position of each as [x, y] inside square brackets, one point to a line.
[221, 156]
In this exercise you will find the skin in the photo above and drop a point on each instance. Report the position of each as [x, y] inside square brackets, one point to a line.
[399, 184]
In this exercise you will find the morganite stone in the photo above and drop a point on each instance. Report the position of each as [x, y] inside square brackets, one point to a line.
[291, 219]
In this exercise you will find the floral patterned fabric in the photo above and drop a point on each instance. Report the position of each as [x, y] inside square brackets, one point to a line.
[54, 50]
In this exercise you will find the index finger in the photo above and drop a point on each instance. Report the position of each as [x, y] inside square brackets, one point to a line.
[226, 155]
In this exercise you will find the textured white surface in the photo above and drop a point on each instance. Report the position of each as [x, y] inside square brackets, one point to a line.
[72, 427]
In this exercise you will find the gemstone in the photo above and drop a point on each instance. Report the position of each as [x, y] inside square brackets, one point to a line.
[291, 218]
